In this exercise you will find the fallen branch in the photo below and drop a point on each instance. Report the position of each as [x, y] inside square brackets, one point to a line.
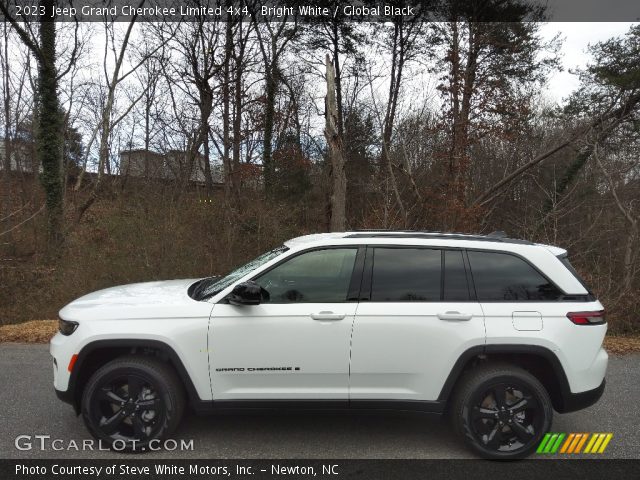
[22, 222]
[618, 114]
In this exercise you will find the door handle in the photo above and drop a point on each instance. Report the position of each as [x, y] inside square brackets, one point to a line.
[327, 316]
[451, 315]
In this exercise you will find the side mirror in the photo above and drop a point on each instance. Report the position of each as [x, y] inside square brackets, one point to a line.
[246, 293]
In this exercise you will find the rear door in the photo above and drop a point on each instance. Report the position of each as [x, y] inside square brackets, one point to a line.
[416, 316]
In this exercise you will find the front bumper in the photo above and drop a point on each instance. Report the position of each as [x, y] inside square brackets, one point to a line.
[68, 397]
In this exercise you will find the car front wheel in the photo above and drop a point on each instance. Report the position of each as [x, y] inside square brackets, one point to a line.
[132, 401]
[501, 411]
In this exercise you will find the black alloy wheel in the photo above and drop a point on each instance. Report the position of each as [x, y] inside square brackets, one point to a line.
[128, 408]
[501, 411]
[505, 417]
[132, 401]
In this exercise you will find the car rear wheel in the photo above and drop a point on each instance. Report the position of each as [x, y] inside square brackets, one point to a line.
[132, 401]
[501, 411]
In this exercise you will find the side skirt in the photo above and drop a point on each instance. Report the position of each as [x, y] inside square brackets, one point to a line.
[243, 406]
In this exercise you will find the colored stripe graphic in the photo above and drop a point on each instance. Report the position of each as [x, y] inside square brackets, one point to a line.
[567, 443]
[579, 440]
[581, 443]
[592, 440]
[573, 443]
[550, 443]
[605, 442]
[555, 447]
[543, 443]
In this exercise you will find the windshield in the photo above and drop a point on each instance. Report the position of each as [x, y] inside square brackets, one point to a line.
[207, 287]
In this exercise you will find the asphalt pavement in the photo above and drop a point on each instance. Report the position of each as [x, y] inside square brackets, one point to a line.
[30, 408]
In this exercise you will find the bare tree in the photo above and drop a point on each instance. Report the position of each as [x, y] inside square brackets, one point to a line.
[273, 38]
[338, 219]
[630, 211]
[113, 80]
[49, 129]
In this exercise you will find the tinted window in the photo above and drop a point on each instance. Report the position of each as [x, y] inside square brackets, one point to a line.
[565, 261]
[321, 276]
[455, 277]
[499, 276]
[406, 275]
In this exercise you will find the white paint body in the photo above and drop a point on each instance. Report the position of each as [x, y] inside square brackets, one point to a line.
[350, 350]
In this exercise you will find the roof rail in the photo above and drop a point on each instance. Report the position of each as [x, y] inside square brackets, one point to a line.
[492, 237]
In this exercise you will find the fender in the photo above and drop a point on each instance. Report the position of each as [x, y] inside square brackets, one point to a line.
[73, 397]
[564, 400]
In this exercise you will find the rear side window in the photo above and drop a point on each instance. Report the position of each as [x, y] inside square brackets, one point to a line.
[406, 275]
[504, 277]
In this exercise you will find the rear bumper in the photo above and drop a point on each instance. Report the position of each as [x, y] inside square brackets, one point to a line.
[578, 401]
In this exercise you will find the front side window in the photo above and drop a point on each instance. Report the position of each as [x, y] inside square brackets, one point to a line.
[504, 277]
[318, 276]
[406, 275]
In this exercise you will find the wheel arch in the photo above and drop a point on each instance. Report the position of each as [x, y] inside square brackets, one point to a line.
[95, 354]
[537, 360]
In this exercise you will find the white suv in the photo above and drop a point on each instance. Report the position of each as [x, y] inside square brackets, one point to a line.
[494, 332]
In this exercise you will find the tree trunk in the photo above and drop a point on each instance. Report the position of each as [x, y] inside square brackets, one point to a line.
[338, 79]
[269, 114]
[397, 65]
[226, 101]
[202, 137]
[237, 111]
[334, 140]
[7, 103]
[49, 136]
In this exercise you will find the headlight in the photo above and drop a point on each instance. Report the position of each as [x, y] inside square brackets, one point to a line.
[66, 327]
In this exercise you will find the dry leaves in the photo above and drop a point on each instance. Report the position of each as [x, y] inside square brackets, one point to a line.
[41, 331]
[35, 331]
[622, 345]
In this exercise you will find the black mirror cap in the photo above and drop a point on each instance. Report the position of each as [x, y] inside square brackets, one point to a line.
[246, 293]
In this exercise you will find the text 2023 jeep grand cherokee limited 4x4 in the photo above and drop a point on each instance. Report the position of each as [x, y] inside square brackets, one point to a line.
[495, 332]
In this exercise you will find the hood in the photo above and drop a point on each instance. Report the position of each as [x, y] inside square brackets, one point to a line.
[137, 300]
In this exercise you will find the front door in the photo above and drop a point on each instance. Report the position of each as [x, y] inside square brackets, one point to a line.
[295, 344]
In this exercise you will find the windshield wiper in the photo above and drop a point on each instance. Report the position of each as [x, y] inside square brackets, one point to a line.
[201, 286]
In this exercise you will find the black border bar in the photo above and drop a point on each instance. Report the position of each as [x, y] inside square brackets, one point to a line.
[322, 469]
[322, 11]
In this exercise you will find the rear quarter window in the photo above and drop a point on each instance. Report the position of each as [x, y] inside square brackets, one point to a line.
[565, 261]
[505, 277]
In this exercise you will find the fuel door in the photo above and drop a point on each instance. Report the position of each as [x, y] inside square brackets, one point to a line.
[527, 321]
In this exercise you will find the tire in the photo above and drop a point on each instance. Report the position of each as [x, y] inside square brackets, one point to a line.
[494, 393]
[132, 401]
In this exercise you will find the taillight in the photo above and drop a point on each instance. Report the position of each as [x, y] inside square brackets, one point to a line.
[587, 318]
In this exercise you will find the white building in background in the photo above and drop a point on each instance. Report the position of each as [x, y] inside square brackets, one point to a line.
[23, 158]
[172, 165]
